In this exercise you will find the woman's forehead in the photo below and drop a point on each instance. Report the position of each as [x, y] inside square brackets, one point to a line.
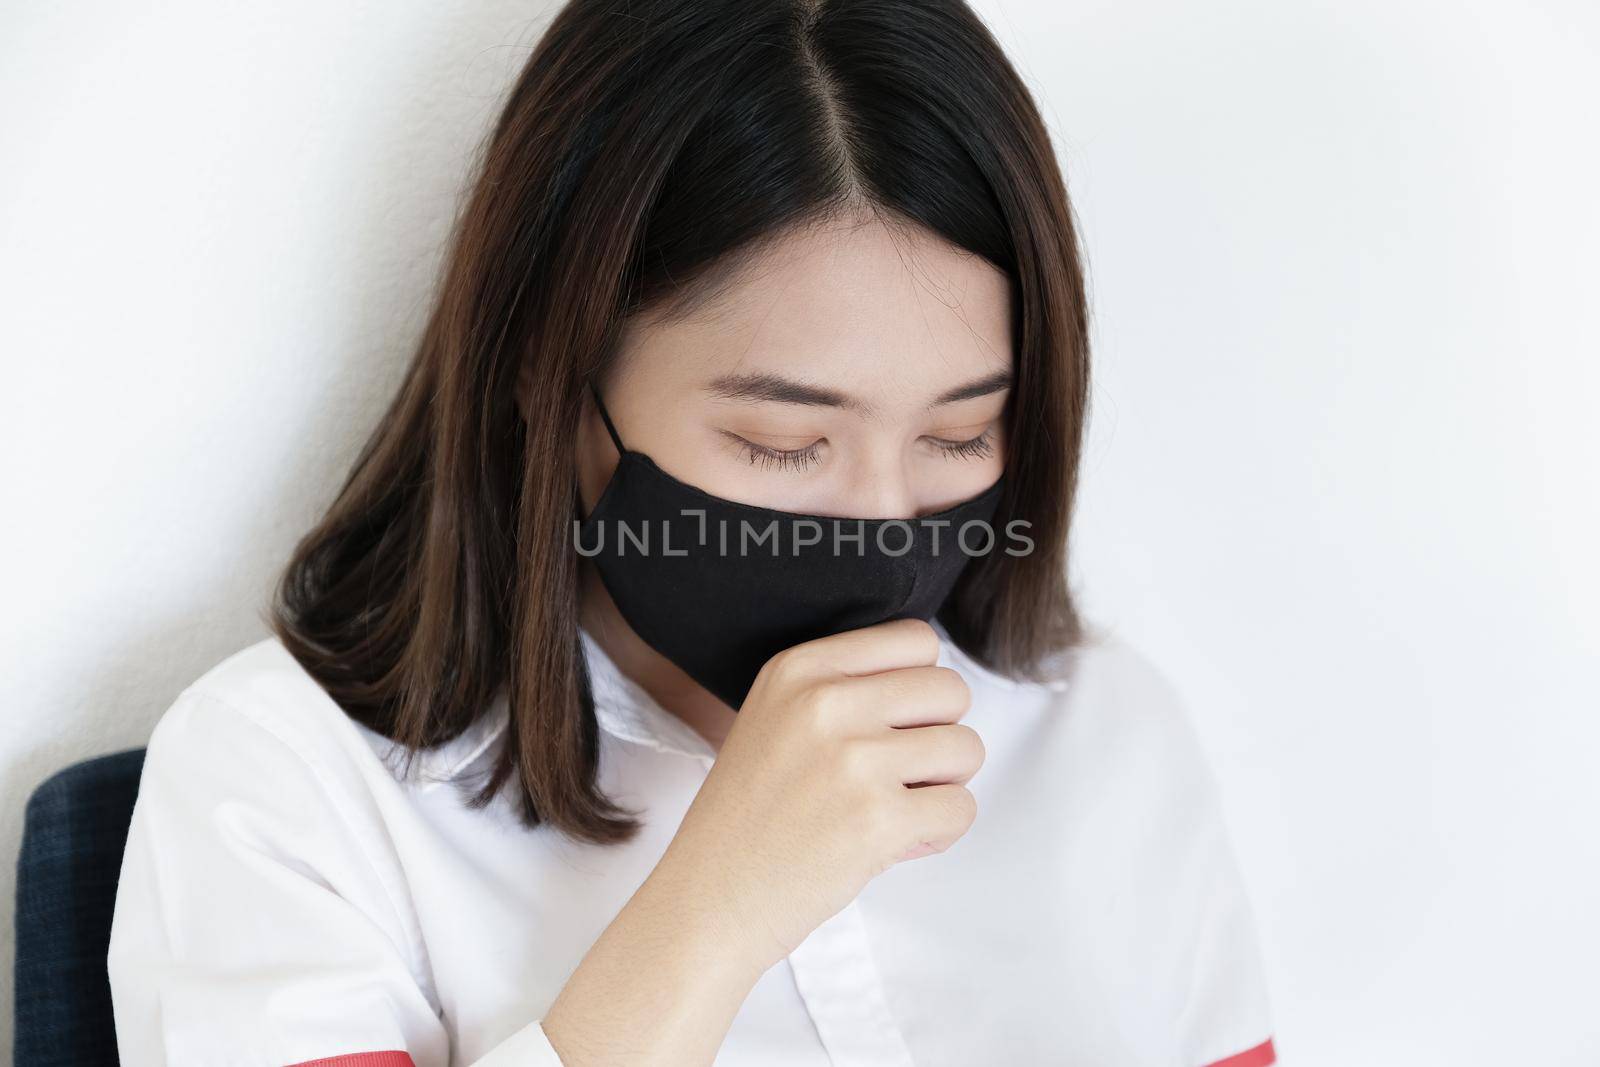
[860, 306]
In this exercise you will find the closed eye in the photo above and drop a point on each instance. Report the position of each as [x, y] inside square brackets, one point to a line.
[979, 447]
[781, 458]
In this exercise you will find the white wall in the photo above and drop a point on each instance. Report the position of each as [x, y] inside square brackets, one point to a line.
[218, 224]
[1338, 482]
[1341, 485]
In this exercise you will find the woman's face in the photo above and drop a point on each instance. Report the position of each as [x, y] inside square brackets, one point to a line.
[852, 370]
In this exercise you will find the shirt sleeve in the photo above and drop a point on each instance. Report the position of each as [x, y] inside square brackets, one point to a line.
[1226, 1020]
[252, 927]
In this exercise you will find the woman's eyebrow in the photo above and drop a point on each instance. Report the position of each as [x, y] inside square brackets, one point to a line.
[989, 383]
[774, 388]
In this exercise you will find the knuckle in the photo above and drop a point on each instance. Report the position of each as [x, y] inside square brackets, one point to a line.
[955, 687]
[917, 626]
[972, 744]
[788, 666]
[963, 807]
[929, 638]
[922, 633]
[826, 702]
[792, 667]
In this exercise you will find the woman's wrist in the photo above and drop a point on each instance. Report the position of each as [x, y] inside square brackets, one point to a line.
[731, 944]
[661, 984]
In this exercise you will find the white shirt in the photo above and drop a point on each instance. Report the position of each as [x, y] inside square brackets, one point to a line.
[287, 898]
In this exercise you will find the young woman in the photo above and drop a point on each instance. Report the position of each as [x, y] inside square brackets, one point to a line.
[582, 739]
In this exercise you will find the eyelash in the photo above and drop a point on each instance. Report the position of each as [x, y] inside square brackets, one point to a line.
[979, 447]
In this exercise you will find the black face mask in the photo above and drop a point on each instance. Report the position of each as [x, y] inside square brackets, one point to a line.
[720, 587]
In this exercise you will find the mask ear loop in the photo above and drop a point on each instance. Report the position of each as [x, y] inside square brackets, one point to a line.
[606, 418]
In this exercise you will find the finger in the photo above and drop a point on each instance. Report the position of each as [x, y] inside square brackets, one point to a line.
[910, 696]
[886, 646]
[932, 755]
[938, 815]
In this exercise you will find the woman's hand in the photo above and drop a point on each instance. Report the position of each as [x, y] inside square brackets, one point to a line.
[808, 798]
[806, 802]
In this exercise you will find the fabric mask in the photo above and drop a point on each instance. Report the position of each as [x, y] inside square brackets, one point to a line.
[719, 587]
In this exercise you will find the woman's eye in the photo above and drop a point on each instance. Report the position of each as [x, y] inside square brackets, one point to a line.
[979, 447]
[781, 458]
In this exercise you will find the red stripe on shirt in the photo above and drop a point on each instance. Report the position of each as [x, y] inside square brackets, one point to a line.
[1263, 1055]
[389, 1058]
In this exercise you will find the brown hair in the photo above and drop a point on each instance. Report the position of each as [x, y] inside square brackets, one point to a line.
[639, 153]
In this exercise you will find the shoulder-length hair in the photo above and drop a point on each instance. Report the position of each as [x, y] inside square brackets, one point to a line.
[643, 149]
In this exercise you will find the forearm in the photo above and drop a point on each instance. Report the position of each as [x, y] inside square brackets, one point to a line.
[662, 984]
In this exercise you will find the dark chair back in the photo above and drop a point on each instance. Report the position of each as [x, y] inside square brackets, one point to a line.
[73, 835]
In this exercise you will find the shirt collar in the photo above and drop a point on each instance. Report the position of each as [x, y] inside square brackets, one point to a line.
[625, 710]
